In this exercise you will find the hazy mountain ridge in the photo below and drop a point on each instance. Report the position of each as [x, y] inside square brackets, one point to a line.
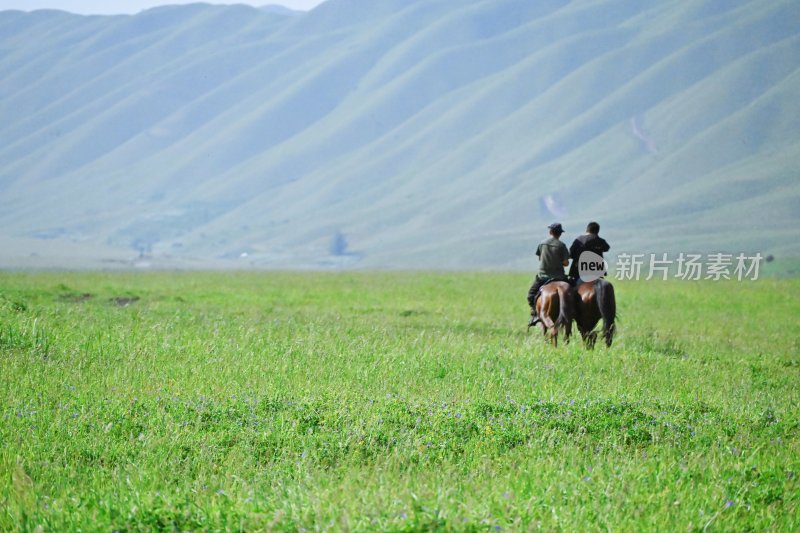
[427, 133]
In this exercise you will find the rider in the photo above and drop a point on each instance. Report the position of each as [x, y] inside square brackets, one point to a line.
[553, 257]
[589, 241]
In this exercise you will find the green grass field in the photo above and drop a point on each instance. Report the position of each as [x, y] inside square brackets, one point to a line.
[392, 402]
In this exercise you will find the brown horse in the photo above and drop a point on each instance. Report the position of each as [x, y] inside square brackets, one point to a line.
[593, 301]
[554, 308]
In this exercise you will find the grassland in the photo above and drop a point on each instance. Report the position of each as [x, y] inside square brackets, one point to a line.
[398, 402]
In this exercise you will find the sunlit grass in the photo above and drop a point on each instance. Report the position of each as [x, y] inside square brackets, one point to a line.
[391, 402]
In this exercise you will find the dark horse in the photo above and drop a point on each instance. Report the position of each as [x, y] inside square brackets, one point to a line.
[594, 301]
[554, 308]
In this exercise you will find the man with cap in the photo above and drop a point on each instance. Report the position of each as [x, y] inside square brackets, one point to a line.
[553, 257]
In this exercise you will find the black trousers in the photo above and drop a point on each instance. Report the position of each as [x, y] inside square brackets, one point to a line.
[534, 290]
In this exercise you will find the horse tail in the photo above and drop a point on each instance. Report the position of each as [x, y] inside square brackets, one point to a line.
[607, 304]
[565, 314]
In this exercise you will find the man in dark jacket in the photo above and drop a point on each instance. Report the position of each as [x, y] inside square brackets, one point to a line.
[553, 257]
[588, 242]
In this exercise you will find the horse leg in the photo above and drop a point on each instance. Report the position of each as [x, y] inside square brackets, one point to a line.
[608, 335]
[592, 340]
[589, 337]
[545, 310]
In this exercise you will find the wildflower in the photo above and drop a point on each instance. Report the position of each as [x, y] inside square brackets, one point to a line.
[728, 504]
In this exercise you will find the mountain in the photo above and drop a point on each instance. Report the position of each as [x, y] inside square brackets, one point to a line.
[398, 133]
[281, 10]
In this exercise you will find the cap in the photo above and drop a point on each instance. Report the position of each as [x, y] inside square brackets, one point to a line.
[556, 226]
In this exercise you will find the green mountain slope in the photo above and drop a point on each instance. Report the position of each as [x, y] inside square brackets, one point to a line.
[428, 134]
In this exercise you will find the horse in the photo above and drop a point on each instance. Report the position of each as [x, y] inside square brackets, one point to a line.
[593, 301]
[554, 308]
